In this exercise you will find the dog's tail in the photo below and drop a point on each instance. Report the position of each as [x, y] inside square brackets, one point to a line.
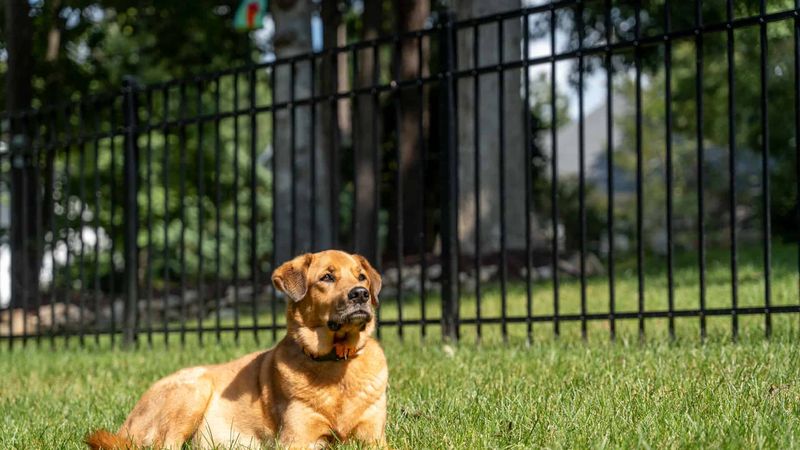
[106, 440]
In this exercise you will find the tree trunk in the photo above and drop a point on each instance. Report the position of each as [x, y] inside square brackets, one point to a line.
[488, 108]
[366, 141]
[300, 197]
[411, 15]
[25, 258]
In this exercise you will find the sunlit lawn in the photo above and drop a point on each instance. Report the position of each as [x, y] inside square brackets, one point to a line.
[555, 393]
[785, 291]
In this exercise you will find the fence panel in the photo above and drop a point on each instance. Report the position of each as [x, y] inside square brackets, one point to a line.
[606, 170]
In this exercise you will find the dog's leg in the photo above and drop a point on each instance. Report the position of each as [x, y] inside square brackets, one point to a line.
[304, 428]
[170, 412]
[371, 428]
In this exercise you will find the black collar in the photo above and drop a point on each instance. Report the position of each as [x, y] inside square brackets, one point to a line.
[328, 357]
[332, 356]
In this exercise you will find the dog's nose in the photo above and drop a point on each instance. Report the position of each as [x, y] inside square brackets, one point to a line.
[358, 295]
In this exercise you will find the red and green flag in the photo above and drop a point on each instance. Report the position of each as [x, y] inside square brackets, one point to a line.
[250, 15]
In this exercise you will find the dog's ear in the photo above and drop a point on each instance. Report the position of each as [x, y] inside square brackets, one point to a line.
[291, 277]
[374, 279]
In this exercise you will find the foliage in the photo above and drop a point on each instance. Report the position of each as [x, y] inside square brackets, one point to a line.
[715, 119]
[175, 163]
[99, 43]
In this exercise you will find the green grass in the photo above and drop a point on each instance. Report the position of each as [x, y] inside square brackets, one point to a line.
[553, 393]
[785, 285]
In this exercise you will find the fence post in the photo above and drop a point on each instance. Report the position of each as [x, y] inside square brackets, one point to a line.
[23, 226]
[131, 212]
[449, 181]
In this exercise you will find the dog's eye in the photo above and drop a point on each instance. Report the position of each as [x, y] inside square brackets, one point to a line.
[327, 277]
[362, 277]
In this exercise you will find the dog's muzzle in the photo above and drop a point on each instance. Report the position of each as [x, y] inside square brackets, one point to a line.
[353, 314]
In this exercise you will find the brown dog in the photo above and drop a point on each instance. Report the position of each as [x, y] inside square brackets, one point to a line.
[325, 381]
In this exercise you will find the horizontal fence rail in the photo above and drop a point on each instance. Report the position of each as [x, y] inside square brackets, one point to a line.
[579, 167]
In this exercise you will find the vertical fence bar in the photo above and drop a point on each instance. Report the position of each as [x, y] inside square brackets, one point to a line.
[313, 152]
[732, 169]
[668, 145]
[701, 233]
[765, 168]
[38, 147]
[502, 171]
[6, 161]
[449, 231]
[113, 216]
[293, 150]
[526, 114]
[149, 220]
[23, 160]
[396, 94]
[165, 251]
[376, 168]
[767, 219]
[424, 153]
[376, 161]
[235, 193]
[31, 192]
[273, 191]
[334, 166]
[33, 243]
[81, 211]
[218, 213]
[53, 138]
[4, 187]
[612, 323]
[131, 210]
[182, 106]
[554, 172]
[28, 159]
[200, 155]
[16, 162]
[16, 169]
[581, 172]
[355, 117]
[476, 115]
[254, 272]
[797, 133]
[639, 172]
[69, 138]
[37, 247]
[18, 147]
[8, 120]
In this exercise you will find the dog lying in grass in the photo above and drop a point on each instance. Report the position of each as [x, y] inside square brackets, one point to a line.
[324, 382]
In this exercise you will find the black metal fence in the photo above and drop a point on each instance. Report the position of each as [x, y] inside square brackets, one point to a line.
[478, 182]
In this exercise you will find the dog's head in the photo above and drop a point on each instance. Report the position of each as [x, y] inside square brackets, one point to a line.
[330, 288]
